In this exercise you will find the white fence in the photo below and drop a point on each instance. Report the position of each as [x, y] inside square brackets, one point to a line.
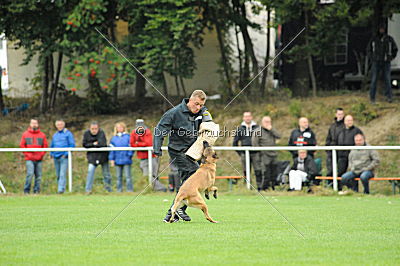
[246, 149]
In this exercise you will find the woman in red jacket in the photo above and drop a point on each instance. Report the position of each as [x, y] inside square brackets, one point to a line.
[33, 138]
[141, 136]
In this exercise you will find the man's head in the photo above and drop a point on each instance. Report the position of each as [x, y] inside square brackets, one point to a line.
[339, 114]
[247, 117]
[348, 121]
[359, 140]
[302, 154]
[60, 124]
[382, 29]
[94, 128]
[34, 124]
[196, 101]
[266, 122]
[303, 123]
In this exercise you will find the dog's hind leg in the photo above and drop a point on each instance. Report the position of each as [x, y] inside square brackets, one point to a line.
[199, 203]
[177, 204]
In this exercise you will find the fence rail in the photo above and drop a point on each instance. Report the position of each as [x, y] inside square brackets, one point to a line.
[246, 149]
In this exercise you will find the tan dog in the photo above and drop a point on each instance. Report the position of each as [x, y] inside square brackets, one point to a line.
[202, 180]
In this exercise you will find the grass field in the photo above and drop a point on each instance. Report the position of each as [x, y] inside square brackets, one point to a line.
[337, 230]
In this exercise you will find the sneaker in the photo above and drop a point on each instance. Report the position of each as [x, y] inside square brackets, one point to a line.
[183, 215]
[168, 218]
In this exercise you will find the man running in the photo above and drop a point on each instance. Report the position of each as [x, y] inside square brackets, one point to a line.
[181, 125]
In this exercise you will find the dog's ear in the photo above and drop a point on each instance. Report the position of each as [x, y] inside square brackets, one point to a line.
[206, 144]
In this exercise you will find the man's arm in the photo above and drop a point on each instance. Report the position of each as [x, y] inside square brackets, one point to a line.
[374, 161]
[71, 140]
[275, 133]
[102, 140]
[85, 141]
[394, 48]
[236, 139]
[255, 139]
[162, 129]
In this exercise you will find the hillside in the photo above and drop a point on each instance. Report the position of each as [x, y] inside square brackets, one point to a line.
[380, 123]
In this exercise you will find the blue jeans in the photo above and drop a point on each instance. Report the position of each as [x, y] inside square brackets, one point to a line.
[348, 177]
[126, 169]
[33, 168]
[375, 70]
[61, 165]
[106, 175]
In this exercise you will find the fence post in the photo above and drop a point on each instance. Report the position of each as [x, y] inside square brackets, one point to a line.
[69, 171]
[150, 160]
[247, 154]
[334, 170]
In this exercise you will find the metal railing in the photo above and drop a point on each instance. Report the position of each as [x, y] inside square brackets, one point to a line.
[246, 149]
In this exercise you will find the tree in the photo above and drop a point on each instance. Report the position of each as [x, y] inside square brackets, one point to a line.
[37, 27]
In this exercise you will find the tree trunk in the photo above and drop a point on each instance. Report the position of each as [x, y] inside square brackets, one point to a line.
[309, 58]
[45, 84]
[266, 62]
[140, 85]
[239, 57]
[178, 90]
[54, 89]
[1, 91]
[224, 58]
[248, 44]
[183, 86]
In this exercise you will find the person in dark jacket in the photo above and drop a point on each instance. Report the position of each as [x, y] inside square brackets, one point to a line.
[332, 138]
[95, 137]
[181, 124]
[121, 160]
[346, 138]
[302, 136]
[243, 136]
[33, 138]
[63, 138]
[304, 169]
[381, 50]
[264, 136]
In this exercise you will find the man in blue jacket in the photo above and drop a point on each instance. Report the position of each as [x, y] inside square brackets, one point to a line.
[63, 138]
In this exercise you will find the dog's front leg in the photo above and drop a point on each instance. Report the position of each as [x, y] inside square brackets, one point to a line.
[214, 189]
[206, 194]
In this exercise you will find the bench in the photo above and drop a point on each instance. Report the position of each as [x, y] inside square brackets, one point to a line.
[393, 179]
[217, 177]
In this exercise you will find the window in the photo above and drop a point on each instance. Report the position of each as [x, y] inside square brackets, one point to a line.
[339, 54]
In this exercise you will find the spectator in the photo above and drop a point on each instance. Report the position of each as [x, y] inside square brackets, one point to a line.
[142, 137]
[33, 138]
[266, 135]
[304, 169]
[381, 49]
[302, 136]
[95, 137]
[243, 136]
[346, 138]
[121, 160]
[361, 164]
[331, 140]
[63, 138]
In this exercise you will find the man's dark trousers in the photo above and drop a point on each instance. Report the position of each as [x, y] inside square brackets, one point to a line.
[186, 167]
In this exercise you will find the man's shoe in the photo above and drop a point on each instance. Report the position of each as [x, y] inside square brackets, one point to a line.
[183, 215]
[168, 218]
[389, 100]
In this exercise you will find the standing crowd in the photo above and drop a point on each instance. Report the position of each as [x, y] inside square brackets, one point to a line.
[305, 167]
[94, 137]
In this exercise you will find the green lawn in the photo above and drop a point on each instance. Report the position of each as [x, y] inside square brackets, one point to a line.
[62, 230]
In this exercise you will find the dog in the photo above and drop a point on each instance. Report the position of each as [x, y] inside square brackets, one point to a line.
[201, 181]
